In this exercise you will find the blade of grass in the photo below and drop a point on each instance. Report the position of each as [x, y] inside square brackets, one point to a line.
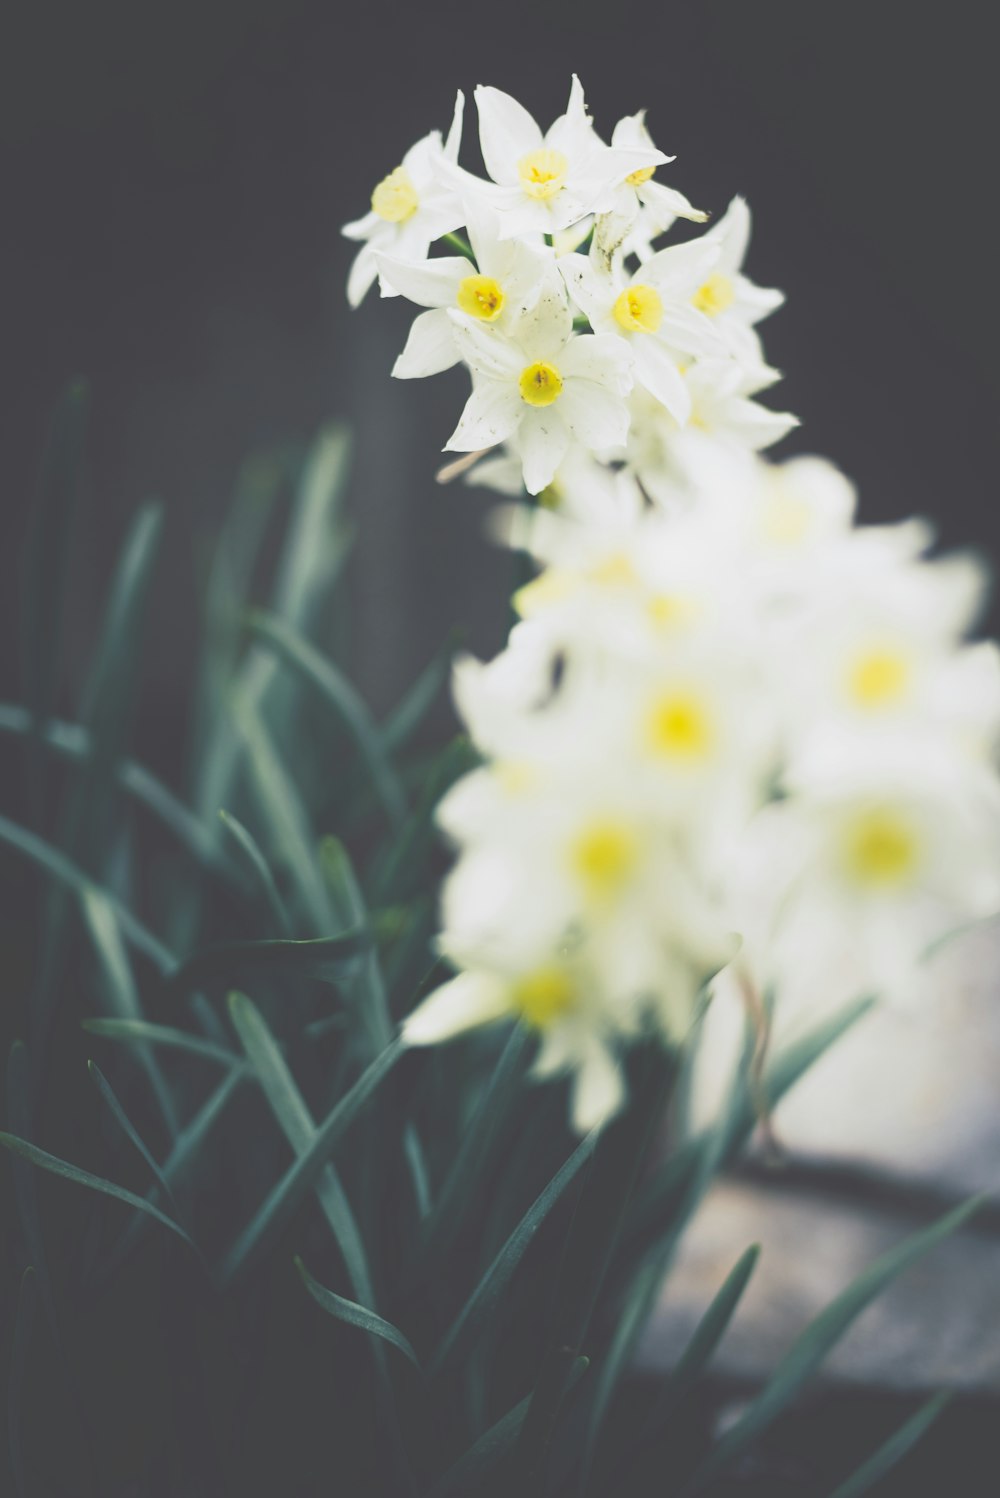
[485, 1298]
[404, 854]
[822, 1334]
[320, 957]
[131, 1133]
[282, 1201]
[138, 1031]
[895, 1448]
[324, 677]
[73, 1173]
[409, 713]
[354, 1315]
[258, 866]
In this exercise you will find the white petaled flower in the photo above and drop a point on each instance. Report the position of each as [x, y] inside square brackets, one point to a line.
[727, 295]
[543, 387]
[411, 208]
[504, 282]
[642, 208]
[543, 183]
[653, 311]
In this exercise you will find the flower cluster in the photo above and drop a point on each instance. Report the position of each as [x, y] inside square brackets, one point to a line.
[733, 732]
[583, 342]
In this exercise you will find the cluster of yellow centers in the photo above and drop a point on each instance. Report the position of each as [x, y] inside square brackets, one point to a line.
[543, 172]
[715, 295]
[543, 996]
[881, 849]
[639, 309]
[481, 297]
[540, 384]
[395, 198]
[878, 678]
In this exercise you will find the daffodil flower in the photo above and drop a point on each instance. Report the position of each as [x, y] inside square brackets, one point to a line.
[642, 209]
[411, 208]
[733, 302]
[542, 387]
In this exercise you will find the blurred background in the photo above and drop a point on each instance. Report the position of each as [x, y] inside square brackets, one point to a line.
[176, 175]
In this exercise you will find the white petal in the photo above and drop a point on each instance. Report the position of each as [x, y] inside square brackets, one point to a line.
[468, 1000]
[667, 203]
[430, 347]
[542, 442]
[690, 331]
[506, 133]
[602, 357]
[732, 233]
[756, 425]
[679, 270]
[596, 416]
[543, 331]
[362, 228]
[429, 283]
[484, 349]
[361, 276]
[454, 141]
[491, 414]
[656, 371]
[593, 293]
[598, 1089]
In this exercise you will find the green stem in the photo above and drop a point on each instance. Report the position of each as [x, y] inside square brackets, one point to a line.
[461, 244]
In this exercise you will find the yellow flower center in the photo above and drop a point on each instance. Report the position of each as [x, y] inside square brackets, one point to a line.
[715, 295]
[542, 172]
[540, 384]
[785, 519]
[480, 296]
[603, 858]
[552, 586]
[639, 309]
[616, 571]
[679, 728]
[395, 198]
[515, 776]
[664, 610]
[543, 996]
[878, 678]
[881, 849]
[636, 179]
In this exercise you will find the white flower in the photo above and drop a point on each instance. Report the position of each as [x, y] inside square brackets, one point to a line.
[411, 208]
[544, 386]
[545, 183]
[504, 283]
[642, 209]
[653, 312]
[727, 295]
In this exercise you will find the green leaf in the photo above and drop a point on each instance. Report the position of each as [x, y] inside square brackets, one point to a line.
[68, 873]
[297, 1125]
[258, 865]
[364, 988]
[484, 1300]
[407, 716]
[355, 1315]
[143, 1032]
[404, 855]
[823, 1333]
[18, 1364]
[303, 1174]
[84, 1178]
[323, 957]
[318, 537]
[893, 1451]
[72, 741]
[131, 1133]
[338, 693]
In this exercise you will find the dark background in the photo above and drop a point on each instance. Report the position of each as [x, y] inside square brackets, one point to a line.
[175, 177]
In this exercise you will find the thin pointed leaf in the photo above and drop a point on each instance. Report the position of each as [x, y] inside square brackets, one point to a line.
[322, 957]
[809, 1350]
[404, 854]
[128, 1128]
[408, 714]
[342, 696]
[483, 1301]
[297, 1125]
[84, 1178]
[69, 873]
[894, 1449]
[355, 1315]
[143, 1032]
[18, 1364]
[365, 987]
[414, 1152]
[317, 536]
[302, 1176]
[258, 865]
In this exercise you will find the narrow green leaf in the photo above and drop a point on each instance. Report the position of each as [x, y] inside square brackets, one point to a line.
[407, 716]
[809, 1350]
[318, 537]
[364, 987]
[322, 957]
[142, 1031]
[404, 855]
[355, 1315]
[894, 1449]
[70, 874]
[339, 694]
[84, 1178]
[483, 1301]
[280, 803]
[414, 1152]
[257, 863]
[131, 1133]
[297, 1125]
[18, 1364]
[303, 1174]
